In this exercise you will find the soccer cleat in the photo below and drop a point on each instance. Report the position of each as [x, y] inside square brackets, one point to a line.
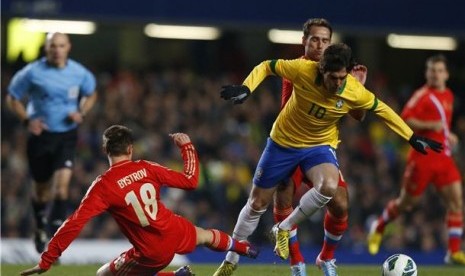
[374, 239]
[328, 266]
[252, 251]
[281, 238]
[457, 258]
[226, 269]
[40, 240]
[184, 271]
[298, 270]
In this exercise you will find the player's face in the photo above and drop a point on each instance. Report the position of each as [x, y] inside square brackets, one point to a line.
[316, 43]
[57, 48]
[436, 75]
[333, 81]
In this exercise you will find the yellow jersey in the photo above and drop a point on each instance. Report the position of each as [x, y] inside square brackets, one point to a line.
[311, 116]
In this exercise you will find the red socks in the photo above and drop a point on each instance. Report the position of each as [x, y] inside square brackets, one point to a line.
[295, 256]
[389, 214]
[454, 221]
[334, 229]
[223, 242]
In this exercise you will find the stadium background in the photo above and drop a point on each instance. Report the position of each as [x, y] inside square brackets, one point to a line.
[157, 86]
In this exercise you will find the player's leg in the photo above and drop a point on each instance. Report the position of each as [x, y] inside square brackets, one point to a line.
[219, 241]
[282, 209]
[405, 201]
[248, 220]
[39, 205]
[451, 194]
[39, 164]
[58, 213]
[63, 163]
[275, 165]
[127, 263]
[335, 224]
[448, 183]
[321, 168]
[416, 177]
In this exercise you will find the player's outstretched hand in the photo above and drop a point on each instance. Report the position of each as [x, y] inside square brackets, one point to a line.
[235, 93]
[180, 139]
[360, 73]
[31, 271]
[420, 144]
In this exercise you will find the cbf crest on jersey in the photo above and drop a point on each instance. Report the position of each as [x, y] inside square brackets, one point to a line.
[339, 104]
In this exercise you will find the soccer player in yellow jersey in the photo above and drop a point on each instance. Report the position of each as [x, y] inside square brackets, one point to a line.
[305, 133]
[317, 33]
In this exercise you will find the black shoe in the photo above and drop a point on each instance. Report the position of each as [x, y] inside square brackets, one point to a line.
[40, 240]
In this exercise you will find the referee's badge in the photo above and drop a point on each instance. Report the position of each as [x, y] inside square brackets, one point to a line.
[339, 104]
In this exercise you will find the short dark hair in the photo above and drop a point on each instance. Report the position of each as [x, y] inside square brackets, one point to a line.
[437, 58]
[319, 22]
[336, 57]
[116, 140]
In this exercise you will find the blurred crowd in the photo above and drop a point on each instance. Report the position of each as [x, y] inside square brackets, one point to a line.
[229, 140]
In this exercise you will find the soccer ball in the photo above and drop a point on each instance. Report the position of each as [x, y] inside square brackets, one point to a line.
[399, 265]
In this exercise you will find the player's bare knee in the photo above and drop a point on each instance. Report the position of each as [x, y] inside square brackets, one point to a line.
[338, 207]
[256, 205]
[328, 187]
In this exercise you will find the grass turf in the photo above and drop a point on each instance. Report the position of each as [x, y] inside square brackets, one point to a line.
[243, 270]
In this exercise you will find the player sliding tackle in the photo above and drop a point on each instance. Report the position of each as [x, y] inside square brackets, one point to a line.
[305, 134]
[130, 192]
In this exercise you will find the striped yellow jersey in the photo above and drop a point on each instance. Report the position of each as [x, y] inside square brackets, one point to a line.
[311, 116]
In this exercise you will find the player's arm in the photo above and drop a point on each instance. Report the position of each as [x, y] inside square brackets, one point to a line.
[18, 108]
[92, 204]
[239, 93]
[88, 98]
[395, 122]
[418, 124]
[189, 178]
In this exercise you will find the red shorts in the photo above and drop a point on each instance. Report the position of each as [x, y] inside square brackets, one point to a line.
[180, 237]
[298, 178]
[438, 169]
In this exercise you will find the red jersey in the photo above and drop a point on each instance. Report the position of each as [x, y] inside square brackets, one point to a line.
[429, 104]
[130, 192]
[286, 91]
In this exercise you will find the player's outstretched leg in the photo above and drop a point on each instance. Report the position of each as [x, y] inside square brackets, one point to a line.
[182, 271]
[375, 235]
[221, 241]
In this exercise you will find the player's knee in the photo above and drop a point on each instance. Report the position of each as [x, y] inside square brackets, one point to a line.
[329, 187]
[257, 203]
[338, 207]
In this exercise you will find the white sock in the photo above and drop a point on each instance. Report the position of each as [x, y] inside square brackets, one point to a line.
[310, 202]
[246, 223]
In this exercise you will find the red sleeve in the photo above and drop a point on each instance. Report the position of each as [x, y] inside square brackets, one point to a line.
[91, 205]
[186, 180]
[286, 92]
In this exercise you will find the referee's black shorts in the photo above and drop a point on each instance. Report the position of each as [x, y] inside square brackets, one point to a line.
[50, 151]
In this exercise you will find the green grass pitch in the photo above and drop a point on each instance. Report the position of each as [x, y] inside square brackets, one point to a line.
[244, 270]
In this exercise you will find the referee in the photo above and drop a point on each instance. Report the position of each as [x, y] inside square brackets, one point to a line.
[51, 96]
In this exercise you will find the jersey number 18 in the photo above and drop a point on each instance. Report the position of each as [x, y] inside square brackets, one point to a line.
[148, 195]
